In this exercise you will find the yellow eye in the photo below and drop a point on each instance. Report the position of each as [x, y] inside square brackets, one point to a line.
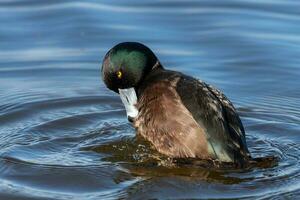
[119, 74]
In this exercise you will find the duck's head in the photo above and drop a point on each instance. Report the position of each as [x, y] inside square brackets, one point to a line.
[124, 68]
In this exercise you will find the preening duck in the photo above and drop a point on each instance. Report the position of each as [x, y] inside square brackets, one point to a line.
[182, 117]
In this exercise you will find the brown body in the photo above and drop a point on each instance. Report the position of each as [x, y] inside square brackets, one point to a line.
[193, 122]
[168, 125]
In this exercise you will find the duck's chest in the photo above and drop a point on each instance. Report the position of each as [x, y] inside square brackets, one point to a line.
[167, 124]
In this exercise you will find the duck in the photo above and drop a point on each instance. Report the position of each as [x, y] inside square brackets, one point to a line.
[181, 116]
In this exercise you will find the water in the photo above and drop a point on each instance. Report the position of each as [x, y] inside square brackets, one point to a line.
[63, 135]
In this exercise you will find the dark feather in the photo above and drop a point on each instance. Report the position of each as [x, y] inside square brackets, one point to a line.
[212, 109]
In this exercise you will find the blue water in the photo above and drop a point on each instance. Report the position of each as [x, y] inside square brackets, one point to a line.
[63, 135]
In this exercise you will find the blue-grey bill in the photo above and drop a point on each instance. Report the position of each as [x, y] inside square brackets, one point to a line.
[129, 99]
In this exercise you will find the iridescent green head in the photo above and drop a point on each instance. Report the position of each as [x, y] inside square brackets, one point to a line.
[126, 65]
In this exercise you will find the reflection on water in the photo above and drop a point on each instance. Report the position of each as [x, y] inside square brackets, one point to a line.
[63, 135]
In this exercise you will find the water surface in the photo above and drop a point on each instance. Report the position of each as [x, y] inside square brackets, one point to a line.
[63, 135]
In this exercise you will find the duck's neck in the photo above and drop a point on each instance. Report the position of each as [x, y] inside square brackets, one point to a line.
[149, 79]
